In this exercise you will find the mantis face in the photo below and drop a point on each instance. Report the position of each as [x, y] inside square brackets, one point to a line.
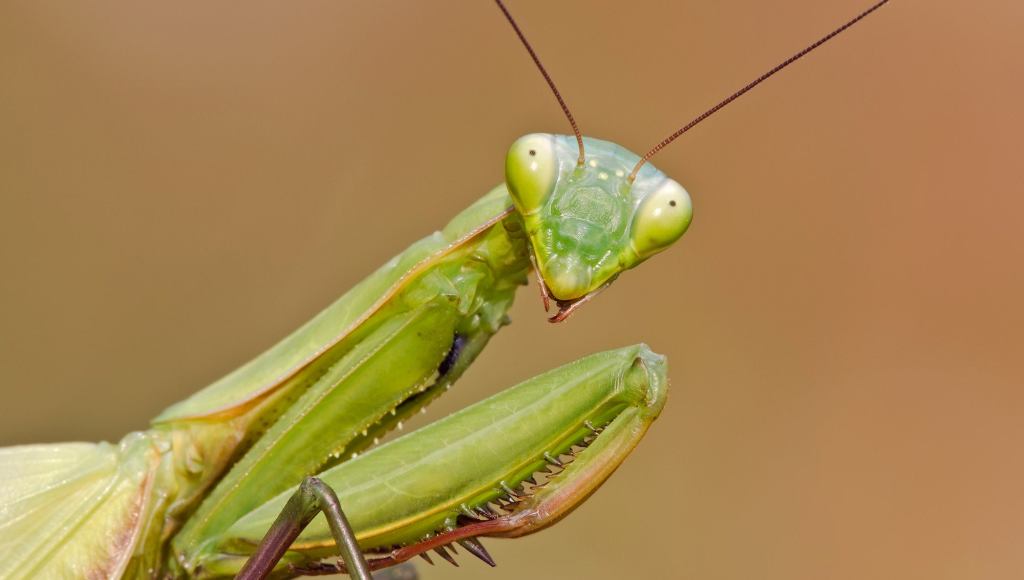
[587, 223]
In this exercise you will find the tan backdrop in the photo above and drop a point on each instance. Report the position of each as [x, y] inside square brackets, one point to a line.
[183, 183]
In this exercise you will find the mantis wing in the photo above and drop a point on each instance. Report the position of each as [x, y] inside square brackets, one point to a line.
[73, 510]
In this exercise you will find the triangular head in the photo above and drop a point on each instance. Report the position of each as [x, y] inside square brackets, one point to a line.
[592, 208]
[587, 223]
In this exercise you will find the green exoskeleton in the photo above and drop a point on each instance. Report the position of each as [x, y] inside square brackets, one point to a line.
[220, 484]
[210, 467]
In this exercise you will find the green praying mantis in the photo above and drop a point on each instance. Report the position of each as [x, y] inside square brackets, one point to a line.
[228, 482]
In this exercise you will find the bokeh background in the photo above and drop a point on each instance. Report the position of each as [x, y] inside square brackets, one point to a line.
[183, 183]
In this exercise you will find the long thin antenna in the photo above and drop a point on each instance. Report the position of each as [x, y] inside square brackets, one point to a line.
[754, 83]
[547, 77]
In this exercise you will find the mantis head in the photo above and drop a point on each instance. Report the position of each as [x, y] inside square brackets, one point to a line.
[588, 222]
[593, 209]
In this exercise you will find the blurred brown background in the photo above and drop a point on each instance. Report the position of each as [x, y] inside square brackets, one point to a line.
[181, 184]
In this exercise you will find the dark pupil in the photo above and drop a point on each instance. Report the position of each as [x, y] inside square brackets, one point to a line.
[672, 203]
[532, 152]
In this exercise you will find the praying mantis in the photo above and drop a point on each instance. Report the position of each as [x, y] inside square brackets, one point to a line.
[196, 494]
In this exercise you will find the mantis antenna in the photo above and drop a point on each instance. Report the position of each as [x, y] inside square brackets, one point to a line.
[736, 95]
[547, 77]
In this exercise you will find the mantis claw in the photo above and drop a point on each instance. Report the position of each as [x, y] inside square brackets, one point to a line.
[473, 546]
[469, 513]
[512, 494]
[593, 411]
[441, 551]
[552, 459]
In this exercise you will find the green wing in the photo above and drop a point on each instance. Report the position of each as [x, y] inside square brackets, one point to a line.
[73, 510]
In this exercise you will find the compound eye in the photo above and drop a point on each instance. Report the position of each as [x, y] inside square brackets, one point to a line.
[661, 219]
[531, 170]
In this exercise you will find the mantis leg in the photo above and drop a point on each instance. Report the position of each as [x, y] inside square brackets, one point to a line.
[312, 497]
[508, 466]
